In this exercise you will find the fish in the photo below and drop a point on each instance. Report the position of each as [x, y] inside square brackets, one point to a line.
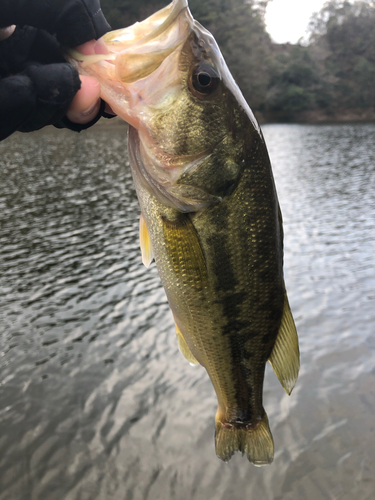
[210, 216]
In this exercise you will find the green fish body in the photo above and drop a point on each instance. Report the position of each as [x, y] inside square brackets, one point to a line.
[210, 215]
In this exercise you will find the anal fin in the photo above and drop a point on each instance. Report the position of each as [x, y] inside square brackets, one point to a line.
[284, 357]
[145, 243]
[184, 348]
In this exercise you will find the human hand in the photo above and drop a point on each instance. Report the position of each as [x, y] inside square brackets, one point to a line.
[37, 86]
[86, 103]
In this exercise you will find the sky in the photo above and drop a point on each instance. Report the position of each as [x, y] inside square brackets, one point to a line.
[287, 20]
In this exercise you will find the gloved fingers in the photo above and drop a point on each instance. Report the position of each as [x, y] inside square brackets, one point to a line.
[40, 96]
[25, 45]
[80, 21]
[55, 84]
[73, 21]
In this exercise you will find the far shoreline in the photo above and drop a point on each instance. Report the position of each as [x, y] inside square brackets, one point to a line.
[311, 117]
[318, 116]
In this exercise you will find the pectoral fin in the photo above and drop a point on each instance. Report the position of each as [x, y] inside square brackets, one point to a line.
[145, 243]
[184, 252]
[184, 348]
[284, 358]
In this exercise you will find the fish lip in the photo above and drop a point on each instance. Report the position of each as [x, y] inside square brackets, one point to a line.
[151, 40]
[115, 45]
[177, 6]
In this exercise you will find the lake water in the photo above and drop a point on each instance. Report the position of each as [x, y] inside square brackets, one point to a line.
[96, 401]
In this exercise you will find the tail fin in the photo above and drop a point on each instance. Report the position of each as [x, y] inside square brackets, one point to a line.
[256, 441]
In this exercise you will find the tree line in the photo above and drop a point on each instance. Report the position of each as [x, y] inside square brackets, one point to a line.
[333, 70]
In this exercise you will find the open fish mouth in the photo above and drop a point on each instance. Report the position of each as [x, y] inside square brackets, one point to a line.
[143, 71]
[137, 51]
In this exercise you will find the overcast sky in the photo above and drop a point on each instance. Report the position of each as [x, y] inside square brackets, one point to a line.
[287, 20]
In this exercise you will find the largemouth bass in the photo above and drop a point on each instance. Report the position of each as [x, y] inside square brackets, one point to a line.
[210, 215]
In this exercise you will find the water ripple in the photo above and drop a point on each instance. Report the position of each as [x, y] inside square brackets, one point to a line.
[96, 401]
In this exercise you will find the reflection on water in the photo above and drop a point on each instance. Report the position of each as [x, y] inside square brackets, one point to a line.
[97, 402]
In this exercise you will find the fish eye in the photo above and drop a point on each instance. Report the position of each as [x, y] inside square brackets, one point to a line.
[205, 79]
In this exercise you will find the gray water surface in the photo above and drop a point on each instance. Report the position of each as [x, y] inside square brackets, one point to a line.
[96, 402]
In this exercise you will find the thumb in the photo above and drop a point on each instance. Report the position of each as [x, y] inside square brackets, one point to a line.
[86, 102]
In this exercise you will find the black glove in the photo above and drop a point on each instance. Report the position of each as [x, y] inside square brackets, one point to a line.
[36, 84]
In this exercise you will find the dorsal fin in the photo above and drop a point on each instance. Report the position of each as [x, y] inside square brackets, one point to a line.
[284, 357]
[145, 243]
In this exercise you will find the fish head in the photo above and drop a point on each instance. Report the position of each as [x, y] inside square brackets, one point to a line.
[166, 77]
